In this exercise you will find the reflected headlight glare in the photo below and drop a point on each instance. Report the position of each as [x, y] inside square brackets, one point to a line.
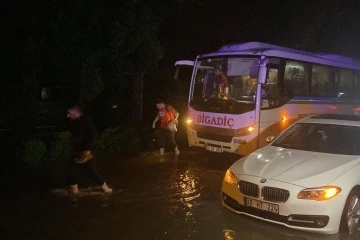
[230, 177]
[319, 194]
[189, 121]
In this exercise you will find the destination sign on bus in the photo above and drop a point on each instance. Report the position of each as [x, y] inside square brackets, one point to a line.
[217, 121]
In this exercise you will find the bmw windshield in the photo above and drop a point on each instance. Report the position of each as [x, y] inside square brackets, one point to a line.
[325, 138]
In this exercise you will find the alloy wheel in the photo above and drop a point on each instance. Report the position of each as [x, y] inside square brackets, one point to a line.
[353, 214]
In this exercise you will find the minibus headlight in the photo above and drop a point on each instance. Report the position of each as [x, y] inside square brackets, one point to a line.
[245, 131]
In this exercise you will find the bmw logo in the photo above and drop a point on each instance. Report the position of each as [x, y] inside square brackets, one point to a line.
[263, 180]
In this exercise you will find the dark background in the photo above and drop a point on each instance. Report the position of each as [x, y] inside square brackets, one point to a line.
[116, 58]
[102, 53]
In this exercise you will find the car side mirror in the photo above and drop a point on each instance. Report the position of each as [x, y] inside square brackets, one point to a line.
[270, 139]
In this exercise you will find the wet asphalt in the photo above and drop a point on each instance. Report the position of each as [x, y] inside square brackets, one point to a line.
[154, 198]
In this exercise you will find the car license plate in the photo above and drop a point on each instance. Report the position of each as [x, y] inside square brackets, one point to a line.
[274, 208]
[213, 149]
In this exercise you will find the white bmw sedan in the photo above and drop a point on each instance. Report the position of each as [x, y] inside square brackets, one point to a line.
[308, 178]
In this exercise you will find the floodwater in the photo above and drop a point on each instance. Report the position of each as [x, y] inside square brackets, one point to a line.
[154, 198]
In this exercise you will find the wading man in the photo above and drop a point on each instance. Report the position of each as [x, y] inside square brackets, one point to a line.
[82, 138]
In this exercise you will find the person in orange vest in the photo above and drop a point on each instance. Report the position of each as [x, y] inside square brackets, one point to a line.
[168, 117]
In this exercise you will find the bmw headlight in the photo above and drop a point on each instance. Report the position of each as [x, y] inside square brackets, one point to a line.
[230, 177]
[319, 194]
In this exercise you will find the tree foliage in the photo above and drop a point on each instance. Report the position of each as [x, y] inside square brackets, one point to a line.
[92, 45]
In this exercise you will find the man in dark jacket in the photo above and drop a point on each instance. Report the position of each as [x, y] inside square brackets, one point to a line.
[82, 138]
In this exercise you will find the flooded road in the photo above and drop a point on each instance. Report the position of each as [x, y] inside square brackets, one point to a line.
[154, 198]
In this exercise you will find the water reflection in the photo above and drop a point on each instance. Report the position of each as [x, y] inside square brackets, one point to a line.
[93, 194]
[189, 192]
[248, 228]
[229, 234]
[170, 200]
[188, 186]
[74, 202]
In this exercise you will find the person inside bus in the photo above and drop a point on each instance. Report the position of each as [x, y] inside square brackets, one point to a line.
[254, 88]
[220, 81]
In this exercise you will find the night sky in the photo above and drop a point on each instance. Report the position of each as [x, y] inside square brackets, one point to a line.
[325, 26]
[49, 42]
[190, 27]
[203, 26]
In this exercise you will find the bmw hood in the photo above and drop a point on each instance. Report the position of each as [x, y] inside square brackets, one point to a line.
[301, 168]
